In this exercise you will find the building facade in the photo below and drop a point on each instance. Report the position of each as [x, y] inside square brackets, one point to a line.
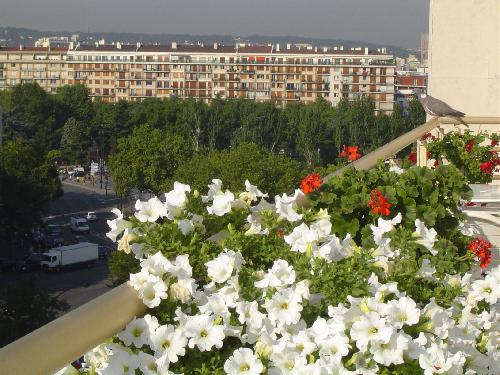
[406, 83]
[288, 74]
[43, 65]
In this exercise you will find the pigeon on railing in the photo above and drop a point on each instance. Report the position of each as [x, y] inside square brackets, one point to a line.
[438, 108]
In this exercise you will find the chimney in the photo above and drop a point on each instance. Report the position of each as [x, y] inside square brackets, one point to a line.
[174, 45]
[366, 50]
[118, 45]
[335, 48]
[341, 48]
[288, 46]
[277, 47]
[71, 46]
[216, 45]
[384, 50]
[315, 49]
[21, 47]
[138, 44]
[325, 49]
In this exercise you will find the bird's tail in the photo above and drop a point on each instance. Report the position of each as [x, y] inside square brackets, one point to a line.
[459, 118]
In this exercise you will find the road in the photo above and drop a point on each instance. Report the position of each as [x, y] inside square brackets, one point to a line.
[76, 286]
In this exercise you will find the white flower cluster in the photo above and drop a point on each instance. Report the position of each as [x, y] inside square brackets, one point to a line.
[386, 328]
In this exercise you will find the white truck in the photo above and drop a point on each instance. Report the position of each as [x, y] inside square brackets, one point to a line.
[71, 255]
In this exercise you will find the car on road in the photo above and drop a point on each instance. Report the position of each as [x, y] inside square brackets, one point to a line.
[55, 235]
[32, 262]
[91, 216]
[79, 225]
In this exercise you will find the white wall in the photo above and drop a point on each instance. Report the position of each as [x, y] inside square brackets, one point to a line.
[464, 55]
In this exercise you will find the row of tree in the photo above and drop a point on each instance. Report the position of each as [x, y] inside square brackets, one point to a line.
[315, 133]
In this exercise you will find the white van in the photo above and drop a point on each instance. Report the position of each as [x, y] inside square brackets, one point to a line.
[79, 225]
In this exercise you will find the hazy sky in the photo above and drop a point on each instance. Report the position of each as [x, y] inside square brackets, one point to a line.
[394, 22]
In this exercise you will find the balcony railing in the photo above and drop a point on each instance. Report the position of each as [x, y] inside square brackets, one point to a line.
[53, 346]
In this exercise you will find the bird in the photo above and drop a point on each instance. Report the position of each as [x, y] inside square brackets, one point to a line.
[438, 108]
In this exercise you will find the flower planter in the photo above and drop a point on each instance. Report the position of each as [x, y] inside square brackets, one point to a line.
[485, 215]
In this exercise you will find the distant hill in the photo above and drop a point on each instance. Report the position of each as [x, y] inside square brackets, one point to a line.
[16, 36]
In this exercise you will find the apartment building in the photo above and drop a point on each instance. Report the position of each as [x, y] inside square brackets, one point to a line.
[281, 74]
[406, 83]
[44, 65]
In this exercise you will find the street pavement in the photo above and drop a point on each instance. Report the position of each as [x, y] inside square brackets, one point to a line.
[76, 286]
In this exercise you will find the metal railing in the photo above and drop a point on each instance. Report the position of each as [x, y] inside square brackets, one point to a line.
[61, 341]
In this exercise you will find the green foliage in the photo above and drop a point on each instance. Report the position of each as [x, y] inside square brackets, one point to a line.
[24, 307]
[147, 160]
[471, 153]
[75, 141]
[121, 265]
[28, 181]
[273, 173]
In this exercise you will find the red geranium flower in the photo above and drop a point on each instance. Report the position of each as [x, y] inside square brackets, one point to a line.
[379, 204]
[352, 153]
[310, 183]
[470, 145]
[343, 154]
[487, 167]
[482, 249]
[494, 142]
[281, 232]
[413, 157]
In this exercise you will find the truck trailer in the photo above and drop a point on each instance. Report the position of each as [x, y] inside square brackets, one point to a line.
[84, 253]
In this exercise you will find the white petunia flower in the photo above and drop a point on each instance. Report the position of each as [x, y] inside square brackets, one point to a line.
[286, 206]
[425, 236]
[221, 268]
[122, 362]
[169, 342]
[180, 267]
[284, 307]
[390, 352]
[303, 239]
[150, 211]
[213, 189]
[117, 225]
[204, 333]
[336, 345]
[383, 227]
[285, 362]
[426, 270]
[243, 362]
[487, 290]
[334, 250]
[438, 360]
[156, 264]
[252, 192]
[147, 363]
[185, 226]
[255, 227]
[175, 200]
[137, 332]
[301, 343]
[221, 203]
[153, 291]
[370, 328]
[403, 311]
[281, 274]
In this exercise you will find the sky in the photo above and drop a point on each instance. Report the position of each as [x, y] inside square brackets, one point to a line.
[390, 22]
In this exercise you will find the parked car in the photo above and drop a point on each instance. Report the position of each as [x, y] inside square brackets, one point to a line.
[32, 262]
[79, 225]
[55, 235]
[91, 216]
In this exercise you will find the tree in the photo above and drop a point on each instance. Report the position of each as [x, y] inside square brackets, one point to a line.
[75, 141]
[28, 181]
[192, 121]
[24, 307]
[73, 101]
[272, 173]
[147, 159]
